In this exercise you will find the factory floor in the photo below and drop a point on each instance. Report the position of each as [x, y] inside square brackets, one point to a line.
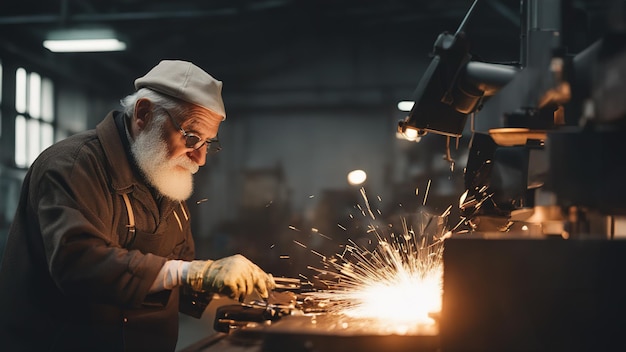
[191, 330]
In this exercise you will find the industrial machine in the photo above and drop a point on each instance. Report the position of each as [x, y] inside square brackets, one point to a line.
[545, 131]
[545, 202]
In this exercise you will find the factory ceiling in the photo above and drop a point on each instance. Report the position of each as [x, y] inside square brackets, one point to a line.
[239, 38]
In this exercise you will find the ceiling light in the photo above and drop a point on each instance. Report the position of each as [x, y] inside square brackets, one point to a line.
[405, 105]
[356, 177]
[83, 40]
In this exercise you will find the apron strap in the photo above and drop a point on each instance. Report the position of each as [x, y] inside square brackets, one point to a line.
[180, 223]
[182, 207]
[131, 221]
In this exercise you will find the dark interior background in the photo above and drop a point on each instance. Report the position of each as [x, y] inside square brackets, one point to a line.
[310, 88]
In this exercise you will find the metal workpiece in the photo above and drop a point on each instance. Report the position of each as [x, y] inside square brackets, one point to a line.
[321, 332]
[335, 333]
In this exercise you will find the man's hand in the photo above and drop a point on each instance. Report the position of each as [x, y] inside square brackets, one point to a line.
[235, 276]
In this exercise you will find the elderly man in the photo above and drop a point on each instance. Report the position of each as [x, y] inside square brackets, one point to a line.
[100, 254]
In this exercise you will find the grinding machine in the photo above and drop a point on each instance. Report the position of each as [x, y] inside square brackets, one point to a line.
[541, 266]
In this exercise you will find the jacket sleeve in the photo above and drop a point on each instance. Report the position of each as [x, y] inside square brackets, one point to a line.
[75, 210]
[193, 303]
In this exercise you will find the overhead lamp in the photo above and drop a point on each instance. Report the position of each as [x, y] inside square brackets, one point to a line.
[83, 40]
[405, 105]
[356, 177]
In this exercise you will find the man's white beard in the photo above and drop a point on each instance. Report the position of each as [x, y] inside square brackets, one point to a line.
[164, 174]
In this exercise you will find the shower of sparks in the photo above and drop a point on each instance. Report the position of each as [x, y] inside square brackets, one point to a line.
[426, 194]
[389, 283]
[314, 230]
[202, 200]
[318, 254]
[399, 282]
[448, 155]
[299, 244]
[367, 203]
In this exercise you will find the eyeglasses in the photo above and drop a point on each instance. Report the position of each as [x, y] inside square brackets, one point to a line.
[195, 142]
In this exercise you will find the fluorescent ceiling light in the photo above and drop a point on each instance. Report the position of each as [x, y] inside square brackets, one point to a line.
[84, 45]
[83, 40]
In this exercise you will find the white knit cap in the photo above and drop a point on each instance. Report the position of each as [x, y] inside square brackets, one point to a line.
[185, 81]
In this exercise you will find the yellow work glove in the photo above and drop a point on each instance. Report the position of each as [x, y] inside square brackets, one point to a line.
[234, 276]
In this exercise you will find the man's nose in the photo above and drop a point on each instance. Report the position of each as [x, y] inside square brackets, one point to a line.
[198, 155]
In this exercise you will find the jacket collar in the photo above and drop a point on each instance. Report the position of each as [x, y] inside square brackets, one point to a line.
[117, 152]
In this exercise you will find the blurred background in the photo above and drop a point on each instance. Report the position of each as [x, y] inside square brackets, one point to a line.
[311, 90]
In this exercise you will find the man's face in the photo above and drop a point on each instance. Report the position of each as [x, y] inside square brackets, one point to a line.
[162, 155]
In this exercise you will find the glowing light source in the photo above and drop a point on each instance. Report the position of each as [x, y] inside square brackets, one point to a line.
[83, 40]
[409, 134]
[356, 177]
[405, 105]
[84, 45]
[399, 283]
[405, 296]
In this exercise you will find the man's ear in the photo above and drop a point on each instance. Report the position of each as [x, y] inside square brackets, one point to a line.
[143, 112]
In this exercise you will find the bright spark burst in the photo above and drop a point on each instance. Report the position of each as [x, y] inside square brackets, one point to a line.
[399, 282]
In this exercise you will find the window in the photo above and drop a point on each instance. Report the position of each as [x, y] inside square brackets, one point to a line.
[34, 104]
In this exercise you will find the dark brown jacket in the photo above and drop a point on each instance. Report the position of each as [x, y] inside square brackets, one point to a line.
[73, 277]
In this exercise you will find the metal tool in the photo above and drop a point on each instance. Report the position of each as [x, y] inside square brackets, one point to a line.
[293, 285]
[285, 299]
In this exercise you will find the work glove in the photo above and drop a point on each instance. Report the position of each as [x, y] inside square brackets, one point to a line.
[234, 276]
